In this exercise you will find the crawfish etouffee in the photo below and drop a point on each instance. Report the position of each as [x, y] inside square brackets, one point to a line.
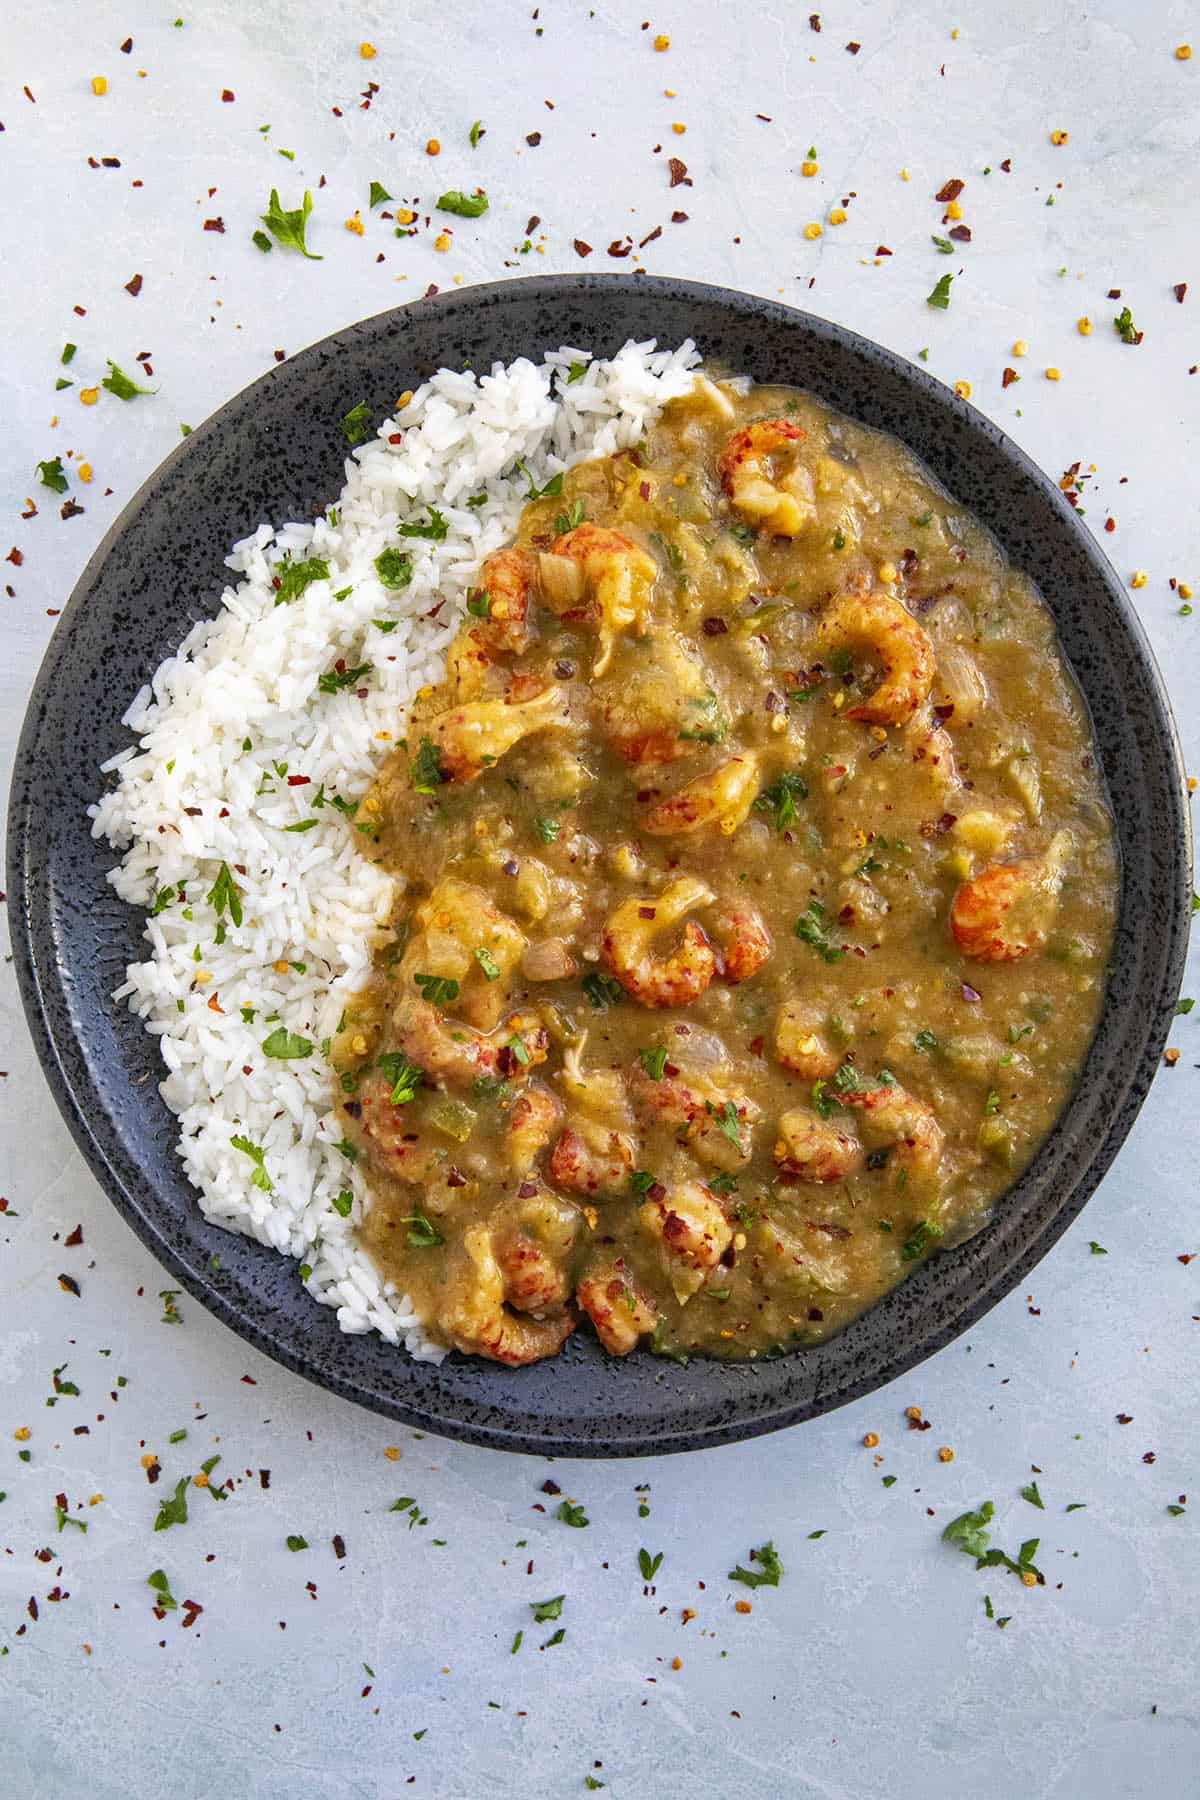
[756, 891]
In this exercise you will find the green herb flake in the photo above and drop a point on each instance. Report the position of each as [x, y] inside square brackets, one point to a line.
[944, 245]
[118, 383]
[294, 577]
[437, 989]
[426, 769]
[516, 1643]
[567, 521]
[544, 1610]
[811, 930]
[770, 1568]
[68, 352]
[922, 1235]
[479, 603]
[571, 1515]
[434, 527]
[551, 490]
[547, 829]
[343, 1203]
[338, 681]
[423, 1233]
[1096, 1249]
[287, 228]
[295, 1542]
[260, 1178]
[576, 372]
[1183, 1008]
[378, 195]
[261, 242]
[406, 1077]
[52, 475]
[649, 1565]
[173, 1511]
[780, 798]
[166, 1600]
[888, 1480]
[1033, 1496]
[355, 425]
[601, 990]
[1125, 328]
[926, 1042]
[467, 206]
[394, 568]
[286, 1045]
[940, 297]
[478, 130]
[654, 1062]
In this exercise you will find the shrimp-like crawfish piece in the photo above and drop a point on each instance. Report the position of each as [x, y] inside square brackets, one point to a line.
[590, 1158]
[470, 738]
[692, 1228]
[476, 1319]
[392, 1143]
[743, 943]
[615, 1307]
[534, 1251]
[814, 1149]
[715, 1122]
[506, 578]
[620, 579]
[800, 1044]
[449, 1053]
[721, 800]
[456, 922]
[781, 507]
[880, 625]
[674, 980]
[896, 1121]
[1006, 912]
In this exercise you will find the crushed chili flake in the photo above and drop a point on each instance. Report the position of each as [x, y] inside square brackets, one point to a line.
[227, 94]
[814, 21]
[127, 46]
[1008, 377]
[617, 248]
[533, 139]
[679, 218]
[339, 1546]
[650, 237]
[961, 233]
[882, 250]
[74, 1237]
[1180, 291]
[134, 285]
[582, 248]
[950, 190]
[217, 224]
[679, 174]
[69, 1285]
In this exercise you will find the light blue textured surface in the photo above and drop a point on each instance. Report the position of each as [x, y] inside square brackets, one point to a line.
[872, 1670]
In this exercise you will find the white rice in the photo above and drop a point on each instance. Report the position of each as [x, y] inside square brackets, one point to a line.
[235, 742]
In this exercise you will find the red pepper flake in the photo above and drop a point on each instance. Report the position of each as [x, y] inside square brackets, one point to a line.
[1124, 1418]
[1008, 377]
[679, 218]
[110, 162]
[650, 237]
[527, 1190]
[550, 1487]
[1110, 524]
[961, 233]
[814, 22]
[679, 174]
[533, 139]
[656, 1192]
[1114, 293]
[134, 285]
[339, 1546]
[617, 248]
[127, 46]
[248, 1379]
[854, 49]
[714, 627]
[582, 248]
[950, 191]
[1185, 1259]
[74, 1237]
[882, 250]
[69, 1285]
[1149, 1457]
[264, 1479]
[280, 355]
[32, 1608]
[299, 780]
[217, 224]
[81, 310]
[1180, 291]
[532, 223]
[647, 912]
[191, 1612]
[32, 102]
[32, 511]
[227, 94]
[15, 556]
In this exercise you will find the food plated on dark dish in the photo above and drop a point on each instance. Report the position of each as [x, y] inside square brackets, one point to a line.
[632, 882]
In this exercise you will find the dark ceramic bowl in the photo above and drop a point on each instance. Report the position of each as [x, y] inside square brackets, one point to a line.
[276, 452]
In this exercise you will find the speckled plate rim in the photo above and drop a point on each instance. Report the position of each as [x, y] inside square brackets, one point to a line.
[711, 1403]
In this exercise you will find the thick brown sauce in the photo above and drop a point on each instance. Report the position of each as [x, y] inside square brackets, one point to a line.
[751, 1167]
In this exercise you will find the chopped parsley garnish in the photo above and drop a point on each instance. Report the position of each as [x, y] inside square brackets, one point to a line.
[173, 1511]
[551, 490]
[356, 424]
[423, 1234]
[576, 372]
[295, 1542]
[118, 382]
[926, 1042]
[601, 990]
[567, 521]
[726, 1118]
[654, 1062]
[301, 825]
[434, 527]
[780, 798]
[1125, 328]
[378, 194]
[971, 1535]
[478, 130]
[940, 297]
[922, 1235]
[1183, 1008]
[163, 898]
[287, 228]
[811, 930]
[943, 244]
[1097, 1249]
[547, 829]
[286, 1045]
[544, 1610]
[52, 475]
[823, 1106]
[68, 351]
[769, 1569]
[487, 963]
[406, 1077]
[723, 1184]
[335, 681]
[839, 538]
[223, 893]
[437, 989]
[991, 1103]
[571, 1515]
[1034, 1498]
[648, 1565]
[467, 206]
[294, 577]
[261, 242]
[394, 568]
[260, 1178]
[640, 1182]
[479, 603]
[745, 534]
[426, 770]
[162, 1588]
[343, 1203]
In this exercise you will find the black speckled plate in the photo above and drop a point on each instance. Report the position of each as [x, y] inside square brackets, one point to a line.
[275, 452]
